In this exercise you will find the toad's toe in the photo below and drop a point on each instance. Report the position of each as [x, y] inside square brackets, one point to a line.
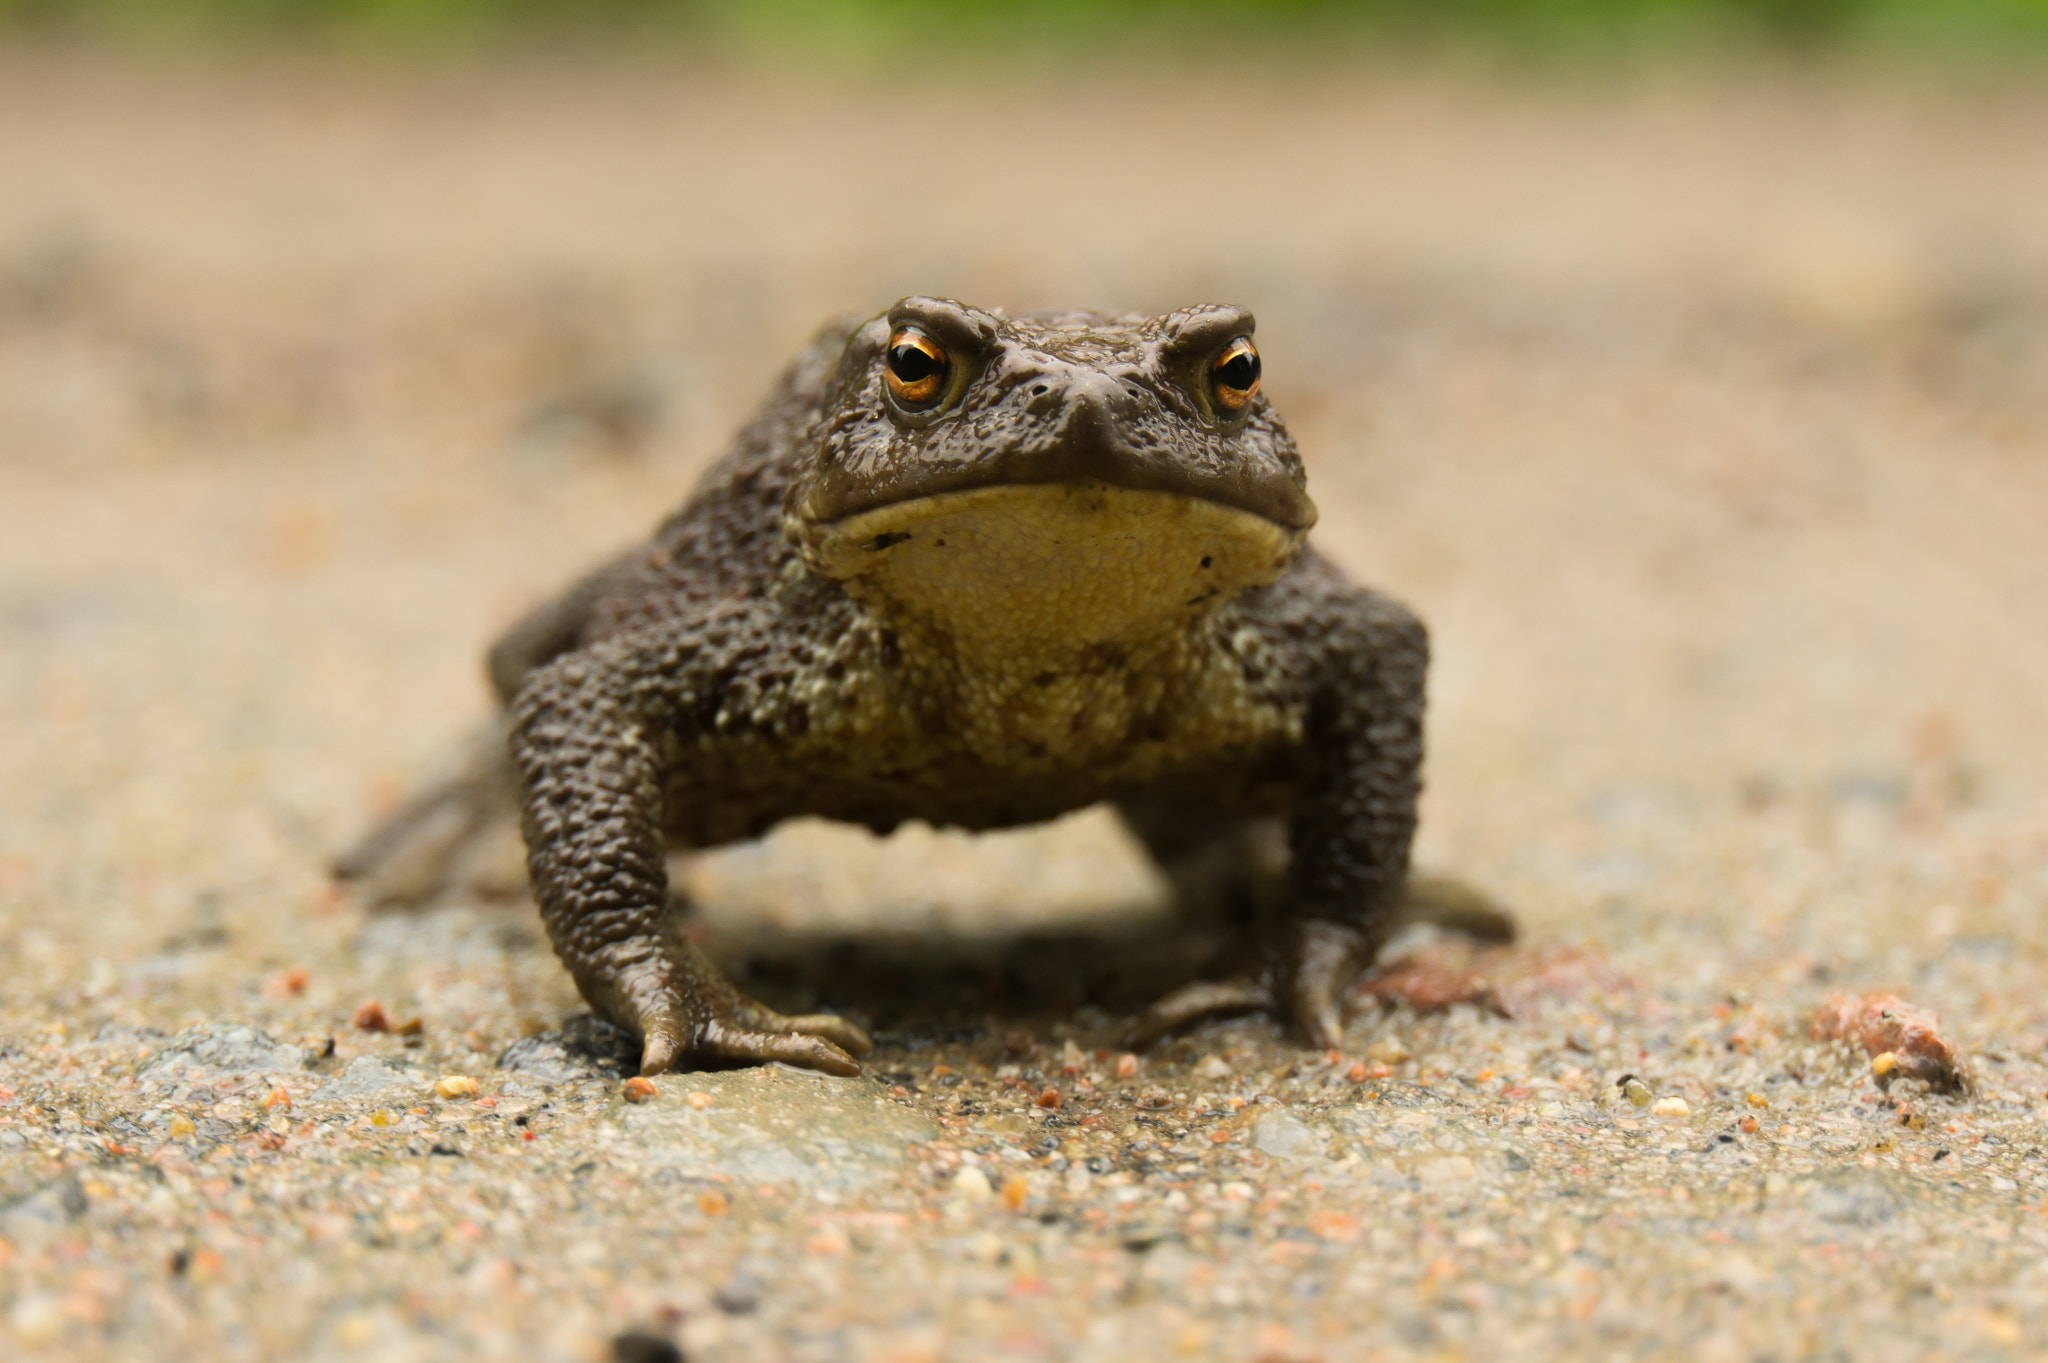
[727, 1042]
[1189, 1003]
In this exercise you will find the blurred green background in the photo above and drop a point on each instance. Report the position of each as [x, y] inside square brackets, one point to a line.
[1064, 30]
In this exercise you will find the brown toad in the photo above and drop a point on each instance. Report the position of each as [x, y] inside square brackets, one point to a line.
[975, 570]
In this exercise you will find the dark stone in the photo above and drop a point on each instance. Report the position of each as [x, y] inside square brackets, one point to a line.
[638, 1346]
[584, 1047]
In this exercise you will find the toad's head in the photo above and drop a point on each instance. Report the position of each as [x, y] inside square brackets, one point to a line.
[1072, 474]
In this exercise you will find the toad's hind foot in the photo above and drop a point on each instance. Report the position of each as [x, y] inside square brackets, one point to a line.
[1304, 973]
[1451, 904]
[1307, 970]
[1193, 1002]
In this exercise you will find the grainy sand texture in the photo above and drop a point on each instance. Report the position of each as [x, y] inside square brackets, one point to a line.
[1705, 419]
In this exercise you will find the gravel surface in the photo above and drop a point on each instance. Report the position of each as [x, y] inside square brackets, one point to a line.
[1706, 421]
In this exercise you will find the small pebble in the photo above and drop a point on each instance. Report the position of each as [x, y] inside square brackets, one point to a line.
[371, 1017]
[637, 1090]
[711, 1202]
[1757, 1100]
[1049, 1099]
[1389, 1050]
[1338, 1226]
[971, 1185]
[37, 1320]
[1638, 1093]
[1671, 1107]
[1447, 1169]
[456, 1086]
[699, 1101]
[1127, 1066]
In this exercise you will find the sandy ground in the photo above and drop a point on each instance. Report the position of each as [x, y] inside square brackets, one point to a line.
[1705, 420]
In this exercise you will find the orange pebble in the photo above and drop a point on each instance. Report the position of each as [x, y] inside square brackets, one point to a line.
[371, 1017]
[711, 1202]
[1014, 1192]
[1127, 1066]
[1049, 1099]
[638, 1090]
[1334, 1226]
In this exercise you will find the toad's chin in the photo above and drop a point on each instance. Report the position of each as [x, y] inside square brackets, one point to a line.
[1082, 562]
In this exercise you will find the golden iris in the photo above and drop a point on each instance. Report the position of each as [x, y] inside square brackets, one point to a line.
[916, 366]
[1236, 374]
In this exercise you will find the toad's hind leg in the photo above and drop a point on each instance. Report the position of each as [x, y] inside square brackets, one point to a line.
[1231, 872]
[459, 828]
[1226, 871]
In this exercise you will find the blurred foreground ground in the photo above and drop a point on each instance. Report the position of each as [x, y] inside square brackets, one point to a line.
[1705, 421]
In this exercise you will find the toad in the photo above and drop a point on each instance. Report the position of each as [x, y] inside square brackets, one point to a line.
[977, 570]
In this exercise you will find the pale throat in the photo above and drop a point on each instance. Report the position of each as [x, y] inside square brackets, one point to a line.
[1044, 580]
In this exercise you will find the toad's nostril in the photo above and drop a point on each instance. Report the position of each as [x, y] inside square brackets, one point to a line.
[1039, 390]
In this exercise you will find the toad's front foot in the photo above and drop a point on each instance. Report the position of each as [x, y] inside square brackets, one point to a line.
[1304, 972]
[686, 1012]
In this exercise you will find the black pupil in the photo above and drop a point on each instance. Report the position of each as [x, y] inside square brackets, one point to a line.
[913, 364]
[1240, 371]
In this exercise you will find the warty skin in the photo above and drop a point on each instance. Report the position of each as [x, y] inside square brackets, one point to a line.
[980, 571]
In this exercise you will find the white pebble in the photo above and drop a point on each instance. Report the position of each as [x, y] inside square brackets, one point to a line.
[971, 1185]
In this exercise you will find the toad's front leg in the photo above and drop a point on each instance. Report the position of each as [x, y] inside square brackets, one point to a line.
[1358, 778]
[584, 740]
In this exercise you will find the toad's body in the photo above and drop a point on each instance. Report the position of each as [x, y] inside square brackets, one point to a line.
[978, 571]
[1038, 672]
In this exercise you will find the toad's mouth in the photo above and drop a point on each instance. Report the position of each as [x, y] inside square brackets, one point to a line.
[1081, 561]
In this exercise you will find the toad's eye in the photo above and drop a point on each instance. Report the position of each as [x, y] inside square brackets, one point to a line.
[917, 367]
[1236, 374]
